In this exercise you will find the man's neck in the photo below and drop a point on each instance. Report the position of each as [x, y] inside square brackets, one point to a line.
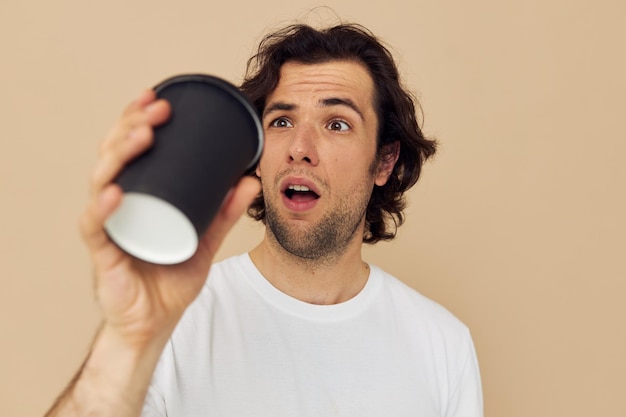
[328, 281]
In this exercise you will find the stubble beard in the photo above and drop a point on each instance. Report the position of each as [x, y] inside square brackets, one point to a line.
[328, 239]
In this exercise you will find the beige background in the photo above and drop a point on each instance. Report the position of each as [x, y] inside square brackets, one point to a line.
[517, 226]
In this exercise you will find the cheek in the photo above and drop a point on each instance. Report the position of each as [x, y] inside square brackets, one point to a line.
[264, 168]
[265, 160]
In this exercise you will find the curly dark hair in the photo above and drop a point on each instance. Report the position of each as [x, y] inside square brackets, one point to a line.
[395, 108]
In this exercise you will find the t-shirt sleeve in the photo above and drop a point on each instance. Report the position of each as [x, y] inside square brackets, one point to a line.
[467, 397]
[154, 406]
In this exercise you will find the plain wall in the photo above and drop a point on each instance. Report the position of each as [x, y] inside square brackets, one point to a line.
[516, 226]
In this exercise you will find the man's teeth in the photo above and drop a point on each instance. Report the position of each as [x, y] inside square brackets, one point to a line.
[299, 188]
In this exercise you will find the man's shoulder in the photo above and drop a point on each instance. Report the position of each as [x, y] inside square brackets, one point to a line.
[224, 277]
[224, 270]
[418, 307]
[236, 263]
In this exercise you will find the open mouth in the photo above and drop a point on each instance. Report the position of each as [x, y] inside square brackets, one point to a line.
[300, 193]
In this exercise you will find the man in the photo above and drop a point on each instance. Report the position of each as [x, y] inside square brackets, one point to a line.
[301, 325]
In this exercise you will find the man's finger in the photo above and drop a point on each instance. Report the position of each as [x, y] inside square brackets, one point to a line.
[235, 204]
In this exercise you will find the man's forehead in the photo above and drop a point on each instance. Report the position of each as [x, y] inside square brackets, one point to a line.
[328, 83]
[347, 72]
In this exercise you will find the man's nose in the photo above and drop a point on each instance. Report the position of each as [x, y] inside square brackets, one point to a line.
[303, 147]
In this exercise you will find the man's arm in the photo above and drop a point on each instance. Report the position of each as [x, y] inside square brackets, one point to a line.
[112, 381]
[141, 303]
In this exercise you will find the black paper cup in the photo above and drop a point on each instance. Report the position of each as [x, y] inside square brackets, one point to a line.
[174, 190]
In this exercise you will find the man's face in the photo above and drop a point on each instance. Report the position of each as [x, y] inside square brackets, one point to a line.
[319, 163]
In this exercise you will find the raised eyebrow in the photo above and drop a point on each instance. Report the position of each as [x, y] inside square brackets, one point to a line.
[336, 101]
[278, 107]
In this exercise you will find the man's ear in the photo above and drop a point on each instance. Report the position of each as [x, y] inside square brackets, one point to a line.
[387, 160]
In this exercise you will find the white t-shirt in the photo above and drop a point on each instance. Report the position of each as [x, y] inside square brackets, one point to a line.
[244, 348]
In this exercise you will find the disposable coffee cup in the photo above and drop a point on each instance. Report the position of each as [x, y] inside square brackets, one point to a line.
[173, 191]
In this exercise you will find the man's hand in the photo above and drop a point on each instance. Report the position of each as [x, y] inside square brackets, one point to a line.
[141, 302]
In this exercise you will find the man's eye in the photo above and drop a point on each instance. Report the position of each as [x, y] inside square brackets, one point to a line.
[338, 125]
[281, 122]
